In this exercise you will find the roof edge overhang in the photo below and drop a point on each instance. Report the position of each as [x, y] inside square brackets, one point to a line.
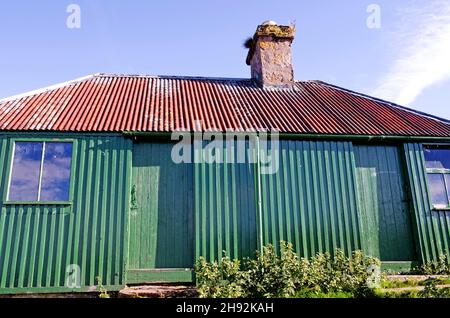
[175, 135]
[48, 88]
[292, 136]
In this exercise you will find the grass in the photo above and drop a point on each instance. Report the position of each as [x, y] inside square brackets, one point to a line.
[379, 293]
[382, 291]
[389, 284]
[314, 294]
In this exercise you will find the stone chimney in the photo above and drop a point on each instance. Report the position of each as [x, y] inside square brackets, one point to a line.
[270, 55]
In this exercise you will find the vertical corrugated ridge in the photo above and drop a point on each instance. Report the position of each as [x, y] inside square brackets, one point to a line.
[38, 242]
[225, 210]
[433, 226]
[307, 201]
[112, 103]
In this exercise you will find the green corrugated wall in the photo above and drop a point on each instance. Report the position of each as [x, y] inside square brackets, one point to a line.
[38, 242]
[311, 200]
[225, 207]
[433, 227]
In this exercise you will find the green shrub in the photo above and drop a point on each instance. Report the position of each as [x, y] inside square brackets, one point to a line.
[432, 291]
[439, 267]
[103, 291]
[354, 274]
[220, 280]
[270, 275]
[287, 275]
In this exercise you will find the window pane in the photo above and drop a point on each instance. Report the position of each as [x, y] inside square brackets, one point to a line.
[56, 171]
[437, 158]
[437, 189]
[447, 181]
[25, 172]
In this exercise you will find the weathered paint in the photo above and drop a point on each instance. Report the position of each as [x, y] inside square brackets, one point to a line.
[169, 275]
[202, 210]
[162, 213]
[311, 201]
[383, 203]
[433, 227]
[116, 103]
[38, 242]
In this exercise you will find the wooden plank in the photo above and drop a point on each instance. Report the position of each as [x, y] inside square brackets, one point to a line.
[382, 198]
[166, 276]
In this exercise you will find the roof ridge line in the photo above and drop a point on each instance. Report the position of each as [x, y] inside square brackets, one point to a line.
[376, 99]
[49, 88]
[94, 75]
[174, 77]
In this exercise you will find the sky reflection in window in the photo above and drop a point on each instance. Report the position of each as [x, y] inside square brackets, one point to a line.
[56, 171]
[25, 173]
[29, 164]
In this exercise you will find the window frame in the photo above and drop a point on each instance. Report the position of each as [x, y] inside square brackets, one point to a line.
[10, 164]
[438, 171]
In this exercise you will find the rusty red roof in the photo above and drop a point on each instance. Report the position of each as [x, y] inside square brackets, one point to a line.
[118, 103]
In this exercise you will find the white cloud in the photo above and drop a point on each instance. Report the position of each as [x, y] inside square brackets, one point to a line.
[423, 44]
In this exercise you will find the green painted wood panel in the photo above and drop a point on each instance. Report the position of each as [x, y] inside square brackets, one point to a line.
[162, 220]
[311, 200]
[384, 203]
[433, 227]
[39, 242]
[139, 276]
[225, 205]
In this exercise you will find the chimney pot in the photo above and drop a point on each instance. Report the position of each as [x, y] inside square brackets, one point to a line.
[270, 56]
[269, 22]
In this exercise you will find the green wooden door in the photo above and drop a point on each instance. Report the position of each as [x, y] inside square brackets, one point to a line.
[161, 216]
[383, 202]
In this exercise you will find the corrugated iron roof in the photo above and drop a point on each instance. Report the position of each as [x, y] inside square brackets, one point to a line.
[117, 103]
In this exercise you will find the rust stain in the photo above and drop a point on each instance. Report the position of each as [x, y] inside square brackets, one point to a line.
[116, 103]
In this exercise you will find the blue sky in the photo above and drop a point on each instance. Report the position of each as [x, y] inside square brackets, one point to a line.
[406, 60]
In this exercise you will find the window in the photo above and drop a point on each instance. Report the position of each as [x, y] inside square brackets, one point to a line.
[40, 172]
[437, 161]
